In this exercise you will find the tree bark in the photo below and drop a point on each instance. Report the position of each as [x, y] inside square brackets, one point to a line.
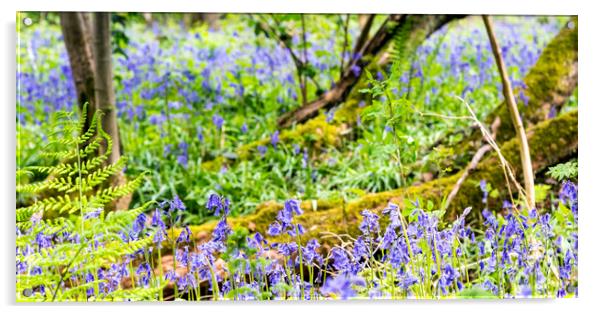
[105, 97]
[366, 21]
[77, 41]
[418, 26]
[103, 83]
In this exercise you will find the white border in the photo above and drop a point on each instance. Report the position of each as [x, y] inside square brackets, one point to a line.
[590, 122]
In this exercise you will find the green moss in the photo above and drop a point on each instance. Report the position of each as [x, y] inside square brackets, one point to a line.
[548, 79]
[550, 142]
[315, 134]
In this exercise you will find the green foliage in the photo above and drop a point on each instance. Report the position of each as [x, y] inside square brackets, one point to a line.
[564, 171]
[58, 234]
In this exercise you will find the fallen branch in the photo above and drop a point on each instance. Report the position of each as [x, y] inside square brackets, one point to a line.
[419, 27]
[552, 141]
[472, 165]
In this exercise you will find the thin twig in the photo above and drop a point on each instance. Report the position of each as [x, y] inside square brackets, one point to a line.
[473, 164]
[508, 173]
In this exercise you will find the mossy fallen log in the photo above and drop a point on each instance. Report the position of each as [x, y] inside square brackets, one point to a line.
[551, 141]
[549, 84]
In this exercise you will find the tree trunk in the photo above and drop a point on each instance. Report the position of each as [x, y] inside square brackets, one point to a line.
[419, 27]
[517, 122]
[366, 21]
[103, 83]
[77, 40]
[105, 97]
[211, 19]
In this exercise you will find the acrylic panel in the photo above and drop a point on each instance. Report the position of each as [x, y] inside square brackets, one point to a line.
[206, 156]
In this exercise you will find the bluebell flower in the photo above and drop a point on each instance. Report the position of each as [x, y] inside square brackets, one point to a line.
[144, 274]
[275, 138]
[356, 70]
[43, 241]
[388, 237]
[568, 195]
[184, 236]
[156, 220]
[296, 149]
[360, 249]
[369, 224]
[182, 257]
[21, 267]
[170, 275]
[214, 203]
[340, 259]
[490, 219]
[89, 278]
[36, 270]
[275, 229]
[310, 252]
[262, 150]
[93, 214]
[182, 160]
[488, 285]
[218, 121]
[287, 249]
[407, 281]
[221, 231]
[329, 116]
[177, 204]
[244, 128]
[393, 211]
[343, 286]
[483, 186]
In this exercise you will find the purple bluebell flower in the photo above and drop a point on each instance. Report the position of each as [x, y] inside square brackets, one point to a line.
[343, 286]
[275, 229]
[275, 138]
[369, 224]
[356, 70]
[483, 186]
[183, 257]
[393, 211]
[221, 231]
[93, 214]
[262, 150]
[139, 223]
[330, 116]
[184, 236]
[214, 204]
[218, 121]
[340, 259]
[177, 204]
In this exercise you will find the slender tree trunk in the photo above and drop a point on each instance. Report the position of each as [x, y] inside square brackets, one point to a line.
[366, 21]
[525, 155]
[79, 48]
[105, 95]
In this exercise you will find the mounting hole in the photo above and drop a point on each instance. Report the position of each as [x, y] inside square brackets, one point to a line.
[27, 21]
[571, 25]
